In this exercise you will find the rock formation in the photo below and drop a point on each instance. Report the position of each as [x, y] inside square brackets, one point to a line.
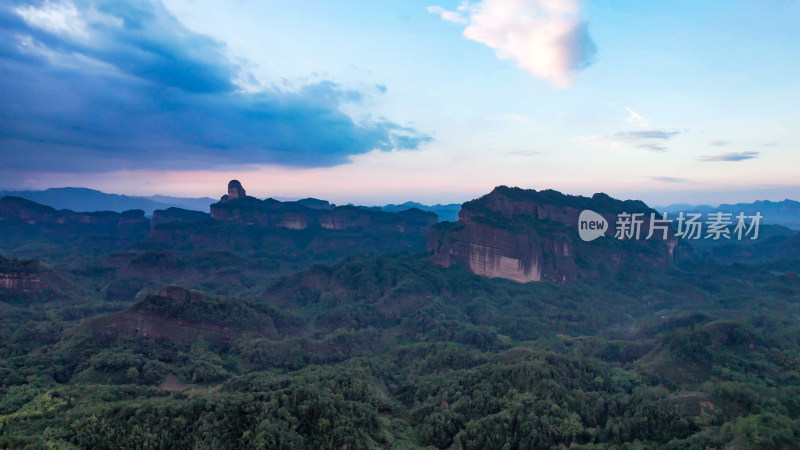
[235, 190]
[308, 213]
[20, 275]
[20, 281]
[525, 235]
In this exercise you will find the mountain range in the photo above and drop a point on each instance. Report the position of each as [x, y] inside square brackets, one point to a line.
[86, 200]
[301, 324]
[83, 199]
[785, 212]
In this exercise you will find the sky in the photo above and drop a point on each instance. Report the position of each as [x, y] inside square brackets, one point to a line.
[376, 102]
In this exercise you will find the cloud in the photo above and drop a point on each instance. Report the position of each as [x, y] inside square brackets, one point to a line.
[94, 85]
[733, 156]
[547, 38]
[652, 140]
[719, 143]
[646, 134]
[653, 147]
[450, 16]
[519, 118]
[637, 118]
[524, 153]
[669, 179]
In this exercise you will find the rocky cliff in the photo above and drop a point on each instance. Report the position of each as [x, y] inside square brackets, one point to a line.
[22, 275]
[525, 235]
[306, 213]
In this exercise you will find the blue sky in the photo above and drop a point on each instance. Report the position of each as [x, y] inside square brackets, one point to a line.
[388, 101]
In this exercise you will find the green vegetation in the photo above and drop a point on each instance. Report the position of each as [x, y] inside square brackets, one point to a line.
[390, 352]
[209, 334]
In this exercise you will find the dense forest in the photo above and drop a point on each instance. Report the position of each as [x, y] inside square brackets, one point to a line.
[255, 345]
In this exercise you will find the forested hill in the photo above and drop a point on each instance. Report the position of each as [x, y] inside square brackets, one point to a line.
[394, 352]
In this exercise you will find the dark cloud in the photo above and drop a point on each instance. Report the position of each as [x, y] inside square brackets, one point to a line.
[119, 85]
[733, 156]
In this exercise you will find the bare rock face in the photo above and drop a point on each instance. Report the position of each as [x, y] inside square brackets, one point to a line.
[20, 275]
[235, 190]
[525, 235]
[20, 281]
[309, 212]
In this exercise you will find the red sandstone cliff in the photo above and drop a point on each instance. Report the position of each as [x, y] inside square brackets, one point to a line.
[525, 235]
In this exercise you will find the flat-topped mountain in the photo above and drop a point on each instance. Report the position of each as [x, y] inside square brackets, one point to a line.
[26, 210]
[237, 207]
[528, 235]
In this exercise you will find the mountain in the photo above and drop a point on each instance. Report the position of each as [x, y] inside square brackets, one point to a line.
[194, 204]
[525, 235]
[269, 236]
[179, 314]
[785, 213]
[447, 212]
[774, 242]
[83, 199]
[237, 207]
[29, 229]
[240, 332]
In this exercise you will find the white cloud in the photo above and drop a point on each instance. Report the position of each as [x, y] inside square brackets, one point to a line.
[637, 118]
[732, 156]
[65, 20]
[62, 19]
[450, 16]
[547, 38]
[652, 140]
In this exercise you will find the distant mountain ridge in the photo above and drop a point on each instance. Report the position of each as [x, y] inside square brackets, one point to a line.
[88, 200]
[84, 199]
[785, 212]
[446, 213]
